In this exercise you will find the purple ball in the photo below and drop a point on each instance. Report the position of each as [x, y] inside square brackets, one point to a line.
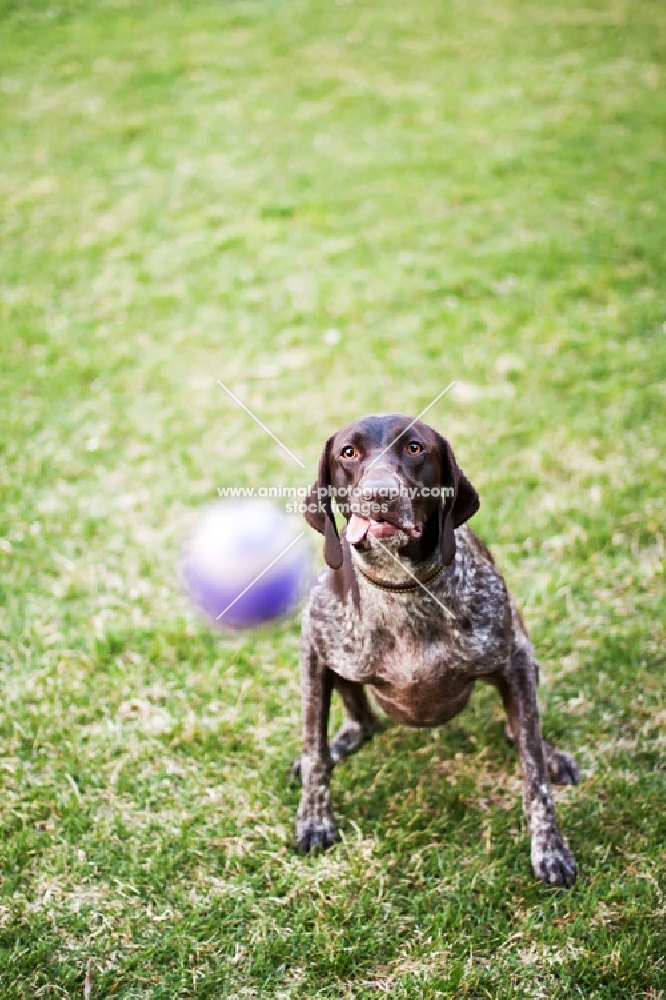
[248, 563]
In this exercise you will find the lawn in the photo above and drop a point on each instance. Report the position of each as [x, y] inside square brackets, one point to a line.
[334, 209]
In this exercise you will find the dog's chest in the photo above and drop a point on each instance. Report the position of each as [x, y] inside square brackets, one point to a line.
[408, 641]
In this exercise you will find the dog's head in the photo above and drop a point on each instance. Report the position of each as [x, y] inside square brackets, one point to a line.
[397, 483]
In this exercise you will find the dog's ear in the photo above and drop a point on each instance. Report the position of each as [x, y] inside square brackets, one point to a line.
[458, 502]
[322, 520]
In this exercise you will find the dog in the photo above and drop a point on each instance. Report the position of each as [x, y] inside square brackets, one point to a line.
[412, 606]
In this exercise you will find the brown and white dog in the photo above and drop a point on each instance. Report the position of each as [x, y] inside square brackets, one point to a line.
[412, 606]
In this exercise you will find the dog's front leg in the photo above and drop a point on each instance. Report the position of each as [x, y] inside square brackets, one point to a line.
[315, 826]
[552, 860]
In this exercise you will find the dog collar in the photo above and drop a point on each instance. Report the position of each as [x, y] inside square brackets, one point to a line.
[402, 588]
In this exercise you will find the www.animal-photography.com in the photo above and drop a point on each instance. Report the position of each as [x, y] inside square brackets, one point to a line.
[332, 527]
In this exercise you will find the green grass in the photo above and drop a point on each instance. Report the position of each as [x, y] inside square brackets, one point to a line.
[200, 190]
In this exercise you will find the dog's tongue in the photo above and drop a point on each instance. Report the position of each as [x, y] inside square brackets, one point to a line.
[357, 529]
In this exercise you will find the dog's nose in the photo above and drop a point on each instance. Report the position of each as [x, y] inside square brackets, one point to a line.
[380, 487]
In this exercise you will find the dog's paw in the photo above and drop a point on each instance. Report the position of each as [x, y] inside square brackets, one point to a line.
[346, 741]
[314, 834]
[552, 860]
[562, 767]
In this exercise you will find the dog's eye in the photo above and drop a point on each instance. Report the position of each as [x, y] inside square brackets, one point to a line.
[349, 451]
[414, 448]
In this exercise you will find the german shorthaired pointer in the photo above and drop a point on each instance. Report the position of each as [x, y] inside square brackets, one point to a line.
[412, 605]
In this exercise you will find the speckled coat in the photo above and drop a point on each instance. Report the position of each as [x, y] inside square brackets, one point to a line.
[417, 618]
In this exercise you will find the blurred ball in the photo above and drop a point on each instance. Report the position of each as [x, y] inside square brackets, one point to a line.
[234, 543]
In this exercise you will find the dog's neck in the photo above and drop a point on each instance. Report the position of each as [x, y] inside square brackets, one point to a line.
[388, 569]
